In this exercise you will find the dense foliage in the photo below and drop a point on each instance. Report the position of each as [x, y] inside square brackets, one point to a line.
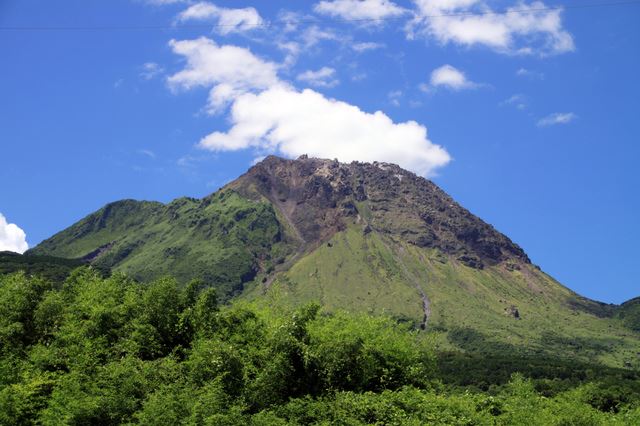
[55, 269]
[222, 239]
[112, 351]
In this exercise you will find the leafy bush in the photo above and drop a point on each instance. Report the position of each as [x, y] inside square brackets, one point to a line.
[112, 351]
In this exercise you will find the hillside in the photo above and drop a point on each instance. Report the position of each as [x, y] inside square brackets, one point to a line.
[362, 237]
[56, 269]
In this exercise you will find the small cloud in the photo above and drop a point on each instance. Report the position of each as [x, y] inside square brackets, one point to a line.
[12, 237]
[366, 46]
[292, 51]
[147, 152]
[314, 35]
[451, 78]
[324, 77]
[290, 20]
[228, 20]
[531, 74]
[118, 83]
[150, 70]
[373, 11]
[517, 101]
[557, 118]
[394, 97]
[359, 76]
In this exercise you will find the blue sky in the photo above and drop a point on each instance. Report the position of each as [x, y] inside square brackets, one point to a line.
[529, 119]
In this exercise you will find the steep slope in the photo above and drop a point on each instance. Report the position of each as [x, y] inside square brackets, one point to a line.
[361, 237]
[222, 239]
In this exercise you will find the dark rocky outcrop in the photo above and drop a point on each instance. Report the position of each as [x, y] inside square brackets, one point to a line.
[321, 197]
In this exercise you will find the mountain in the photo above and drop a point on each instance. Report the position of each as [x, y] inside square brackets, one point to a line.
[360, 237]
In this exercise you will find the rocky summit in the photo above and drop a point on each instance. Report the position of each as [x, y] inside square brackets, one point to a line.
[320, 197]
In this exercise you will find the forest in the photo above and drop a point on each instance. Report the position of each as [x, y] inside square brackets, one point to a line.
[110, 350]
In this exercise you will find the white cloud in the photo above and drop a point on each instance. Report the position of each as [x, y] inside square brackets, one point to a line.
[394, 97]
[517, 101]
[451, 78]
[270, 116]
[557, 118]
[150, 70]
[147, 152]
[230, 71]
[314, 35]
[359, 9]
[12, 238]
[522, 29]
[228, 20]
[532, 74]
[366, 46]
[291, 123]
[324, 77]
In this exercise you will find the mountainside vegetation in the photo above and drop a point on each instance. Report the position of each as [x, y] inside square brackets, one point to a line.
[362, 238]
[223, 240]
[56, 269]
[116, 351]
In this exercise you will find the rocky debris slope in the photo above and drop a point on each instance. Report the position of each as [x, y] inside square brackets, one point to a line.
[320, 197]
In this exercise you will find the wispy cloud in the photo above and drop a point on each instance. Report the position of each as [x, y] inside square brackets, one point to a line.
[147, 153]
[150, 70]
[518, 101]
[531, 74]
[366, 46]
[394, 97]
[557, 118]
[324, 77]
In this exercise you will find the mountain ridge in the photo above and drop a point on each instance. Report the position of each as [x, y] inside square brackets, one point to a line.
[368, 237]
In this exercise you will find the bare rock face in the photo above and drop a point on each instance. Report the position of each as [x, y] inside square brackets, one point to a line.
[320, 197]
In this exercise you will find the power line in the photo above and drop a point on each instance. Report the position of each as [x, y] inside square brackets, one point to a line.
[307, 21]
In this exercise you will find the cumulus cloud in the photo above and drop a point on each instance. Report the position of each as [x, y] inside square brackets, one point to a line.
[359, 9]
[324, 77]
[291, 123]
[229, 70]
[522, 29]
[268, 115]
[451, 78]
[557, 118]
[12, 238]
[227, 20]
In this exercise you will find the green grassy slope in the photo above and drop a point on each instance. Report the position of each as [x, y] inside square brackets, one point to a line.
[629, 313]
[470, 309]
[223, 239]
